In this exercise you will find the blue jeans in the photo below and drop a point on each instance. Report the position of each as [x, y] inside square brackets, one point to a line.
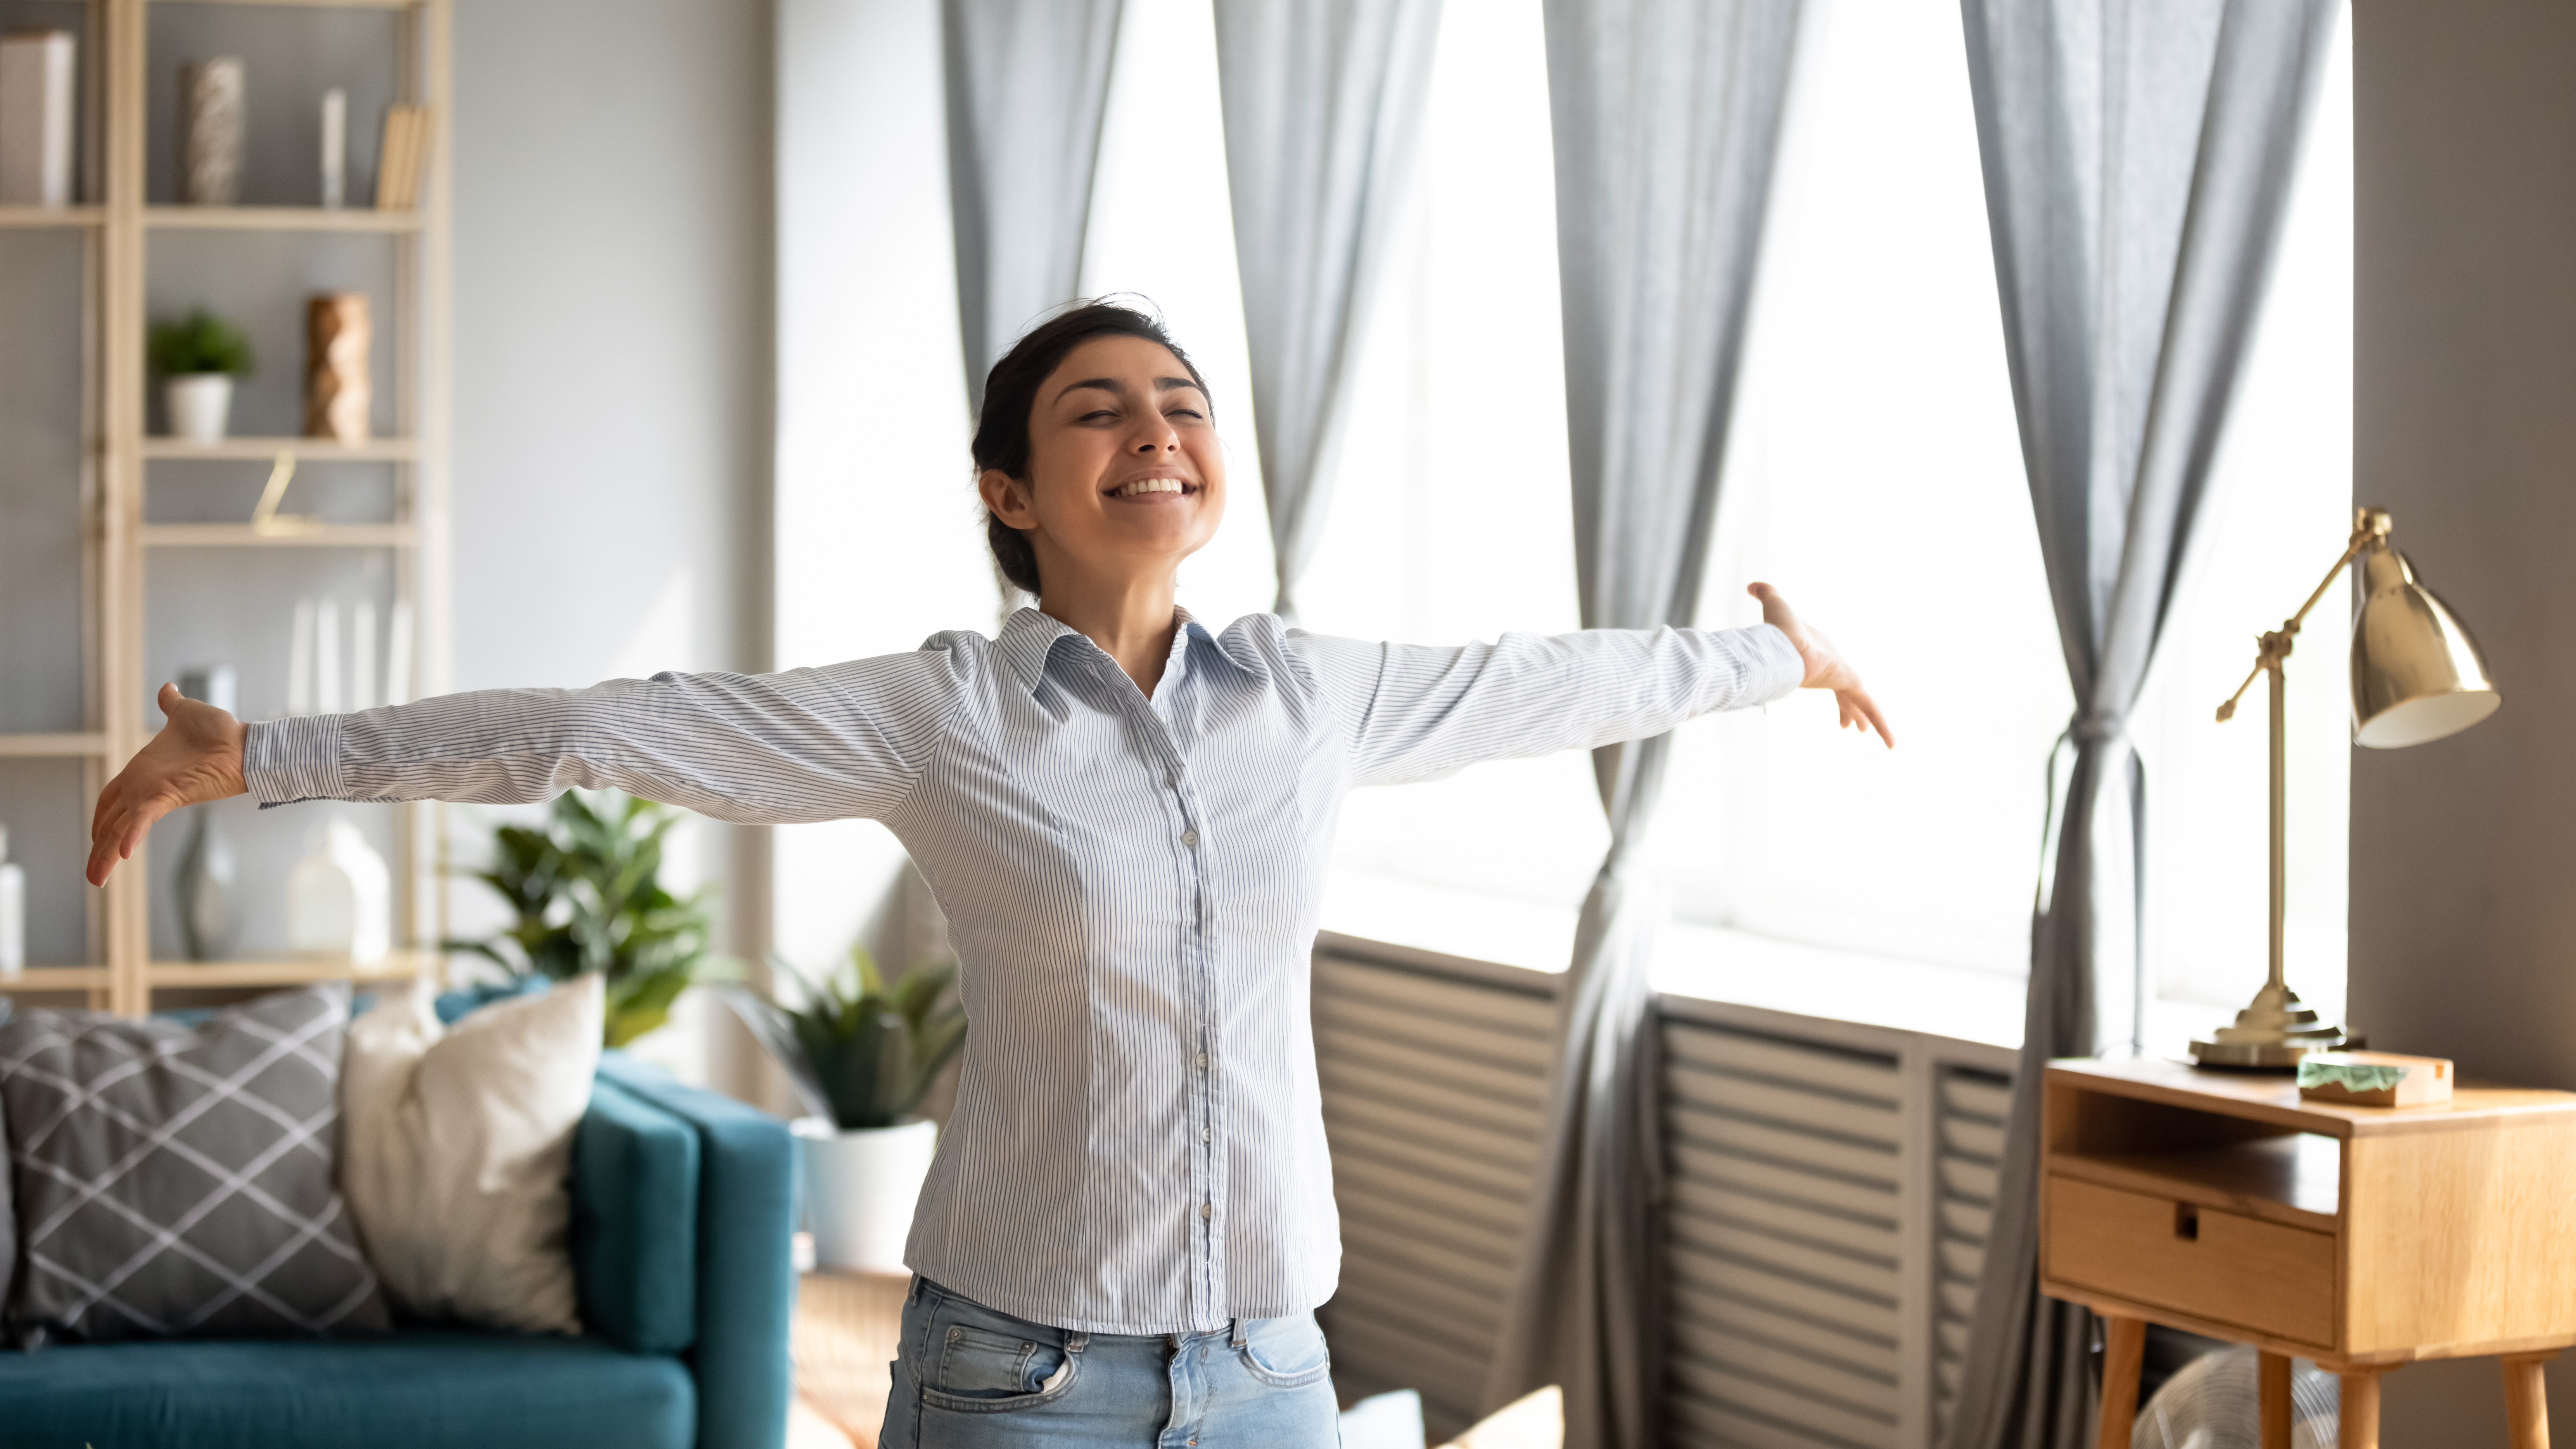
[971, 1377]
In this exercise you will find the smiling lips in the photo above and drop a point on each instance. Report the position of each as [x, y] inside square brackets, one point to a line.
[1141, 487]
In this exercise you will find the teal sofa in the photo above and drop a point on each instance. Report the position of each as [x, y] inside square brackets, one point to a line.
[683, 1205]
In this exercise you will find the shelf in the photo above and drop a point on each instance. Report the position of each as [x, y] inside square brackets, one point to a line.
[262, 450]
[37, 218]
[51, 747]
[396, 966]
[278, 218]
[2295, 1179]
[242, 535]
[56, 978]
[308, 4]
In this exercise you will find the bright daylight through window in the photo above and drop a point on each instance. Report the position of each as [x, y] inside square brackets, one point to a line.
[1874, 474]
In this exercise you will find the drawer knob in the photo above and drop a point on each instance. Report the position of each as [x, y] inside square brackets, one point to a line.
[2187, 1221]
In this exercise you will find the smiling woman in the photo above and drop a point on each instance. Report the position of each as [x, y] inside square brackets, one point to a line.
[1125, 816]
[1104, 404]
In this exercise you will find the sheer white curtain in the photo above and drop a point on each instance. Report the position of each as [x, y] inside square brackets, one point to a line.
[1876, 476]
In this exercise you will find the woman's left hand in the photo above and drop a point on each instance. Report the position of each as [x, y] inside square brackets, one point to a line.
[1826, 667]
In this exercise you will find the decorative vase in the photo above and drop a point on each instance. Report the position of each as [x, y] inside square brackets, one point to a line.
[860, 1187]
[337, 394]
[205, 890]
[339, 899]
[200, 405]
[210, 120]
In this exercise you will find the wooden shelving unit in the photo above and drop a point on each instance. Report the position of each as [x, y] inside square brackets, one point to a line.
[120, 548]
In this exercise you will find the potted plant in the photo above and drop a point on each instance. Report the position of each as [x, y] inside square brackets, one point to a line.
[587, 890]
[861, 1053]
[198, 356]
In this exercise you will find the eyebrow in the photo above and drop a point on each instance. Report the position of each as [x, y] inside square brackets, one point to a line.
[1113, 385]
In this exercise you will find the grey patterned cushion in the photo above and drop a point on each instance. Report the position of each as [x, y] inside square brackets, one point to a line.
[172, 1181]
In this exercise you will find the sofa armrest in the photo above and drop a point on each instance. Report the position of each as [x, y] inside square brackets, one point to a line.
[635, 1171]
[746, 1275]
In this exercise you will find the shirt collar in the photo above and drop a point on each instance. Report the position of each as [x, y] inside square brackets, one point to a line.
[1028, 639]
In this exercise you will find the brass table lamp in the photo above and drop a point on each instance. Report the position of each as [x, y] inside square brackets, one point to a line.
[2417, 676]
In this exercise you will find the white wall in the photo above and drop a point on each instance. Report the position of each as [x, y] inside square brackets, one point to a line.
[2463, 920]
[613, 308]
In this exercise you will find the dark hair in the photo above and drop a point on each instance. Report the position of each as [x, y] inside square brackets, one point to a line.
[1011, 395]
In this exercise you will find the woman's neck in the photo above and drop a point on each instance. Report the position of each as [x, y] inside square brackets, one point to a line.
[1130, 618]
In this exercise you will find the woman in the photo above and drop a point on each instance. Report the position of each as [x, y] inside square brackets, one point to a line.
[1126, 818]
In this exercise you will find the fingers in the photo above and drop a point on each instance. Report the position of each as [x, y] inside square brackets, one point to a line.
[169, 699]
[1857, 702]
[119, 833]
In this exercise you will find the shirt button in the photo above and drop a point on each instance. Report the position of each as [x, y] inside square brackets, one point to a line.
[1189, 837]
[1207, 1134]
[1207, 1210]
[1203, 1059]
[1172, 779]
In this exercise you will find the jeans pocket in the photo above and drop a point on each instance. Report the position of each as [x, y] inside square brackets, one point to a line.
[1285, 1353]
[983, 1372]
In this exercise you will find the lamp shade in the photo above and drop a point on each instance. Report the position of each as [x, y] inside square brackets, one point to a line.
[2417, 676]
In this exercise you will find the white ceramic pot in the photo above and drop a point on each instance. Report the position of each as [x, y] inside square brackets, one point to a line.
[200, 404]
[859, 1190]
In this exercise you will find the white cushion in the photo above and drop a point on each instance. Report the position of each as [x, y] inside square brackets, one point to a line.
[456, 1148]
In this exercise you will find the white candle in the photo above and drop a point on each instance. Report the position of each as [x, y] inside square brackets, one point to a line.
[326, 657]
[335, 146]
[362, 655]
[299, 661]
[398, 654]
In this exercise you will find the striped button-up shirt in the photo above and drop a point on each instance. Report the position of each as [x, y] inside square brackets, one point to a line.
[1132, 888]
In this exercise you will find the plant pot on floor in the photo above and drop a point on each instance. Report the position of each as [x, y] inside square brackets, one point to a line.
[201, 404]
[860, 1187]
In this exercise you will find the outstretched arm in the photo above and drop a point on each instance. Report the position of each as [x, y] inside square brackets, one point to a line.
[827, 744]
[1411, 713]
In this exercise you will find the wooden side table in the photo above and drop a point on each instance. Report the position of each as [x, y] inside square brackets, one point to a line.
[2363, 1238]
[847, 1327]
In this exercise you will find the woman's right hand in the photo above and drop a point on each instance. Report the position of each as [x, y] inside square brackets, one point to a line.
[196, 757]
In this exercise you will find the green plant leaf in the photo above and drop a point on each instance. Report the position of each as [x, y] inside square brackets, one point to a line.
[198, 343]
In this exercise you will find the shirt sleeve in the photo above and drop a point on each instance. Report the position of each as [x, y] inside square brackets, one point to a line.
[773, 749]
[1413, 713]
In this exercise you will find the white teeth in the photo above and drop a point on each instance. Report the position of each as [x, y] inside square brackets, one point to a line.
[1148, 485]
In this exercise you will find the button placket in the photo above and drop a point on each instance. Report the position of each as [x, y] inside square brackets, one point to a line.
[1197, 956]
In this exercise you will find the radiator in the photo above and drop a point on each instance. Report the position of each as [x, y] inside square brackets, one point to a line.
[1824, 1222]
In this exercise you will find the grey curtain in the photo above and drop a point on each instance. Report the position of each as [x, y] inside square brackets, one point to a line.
[1323, 114]
[1667, 117]
[1028, 86]
[2137, 162]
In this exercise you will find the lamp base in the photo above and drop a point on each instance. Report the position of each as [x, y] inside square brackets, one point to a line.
[2271, 1034]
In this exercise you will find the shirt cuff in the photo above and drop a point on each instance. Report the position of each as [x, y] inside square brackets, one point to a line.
[1777, 667]
[287, 760]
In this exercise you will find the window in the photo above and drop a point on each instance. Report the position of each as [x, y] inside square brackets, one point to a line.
[1874, 474]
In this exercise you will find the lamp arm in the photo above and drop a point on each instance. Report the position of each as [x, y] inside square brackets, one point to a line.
[2372, 526]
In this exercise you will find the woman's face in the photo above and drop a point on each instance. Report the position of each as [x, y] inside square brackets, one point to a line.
[1125, 474]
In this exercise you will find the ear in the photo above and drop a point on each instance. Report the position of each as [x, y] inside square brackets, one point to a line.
[1008, 497]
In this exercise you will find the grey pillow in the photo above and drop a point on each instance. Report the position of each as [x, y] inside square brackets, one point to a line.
[175, 1181]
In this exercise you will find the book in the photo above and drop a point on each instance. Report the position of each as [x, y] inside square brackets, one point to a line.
[403, 159]
[36, 120]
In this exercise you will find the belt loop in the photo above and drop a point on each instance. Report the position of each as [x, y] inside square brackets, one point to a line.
[1239, 1325]
[1075, 1343]
[912, 1295]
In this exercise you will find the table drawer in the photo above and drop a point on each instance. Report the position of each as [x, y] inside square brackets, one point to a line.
[2201, 1261]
